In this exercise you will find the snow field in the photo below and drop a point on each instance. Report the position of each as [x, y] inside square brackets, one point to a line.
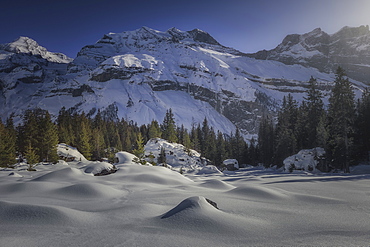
[149, 205]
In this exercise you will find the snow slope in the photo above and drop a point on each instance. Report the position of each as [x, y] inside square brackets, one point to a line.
[138, 75]
[61, 205]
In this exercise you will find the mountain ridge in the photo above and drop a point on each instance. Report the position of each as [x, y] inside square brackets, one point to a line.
[138, 75]
[348, 48]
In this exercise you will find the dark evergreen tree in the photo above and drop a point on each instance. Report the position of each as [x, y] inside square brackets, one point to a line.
[341, 115]
[7, 144]
[154, 130]
[315, 114]
[162, 157]
[362, 128]
[83, 135]
[221, 153]
[285, 135]
[48, 138]
[31, 156]
[265, 140]
[169, 127]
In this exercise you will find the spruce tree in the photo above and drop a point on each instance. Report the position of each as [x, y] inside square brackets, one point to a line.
[83, 136]
[31, 156]
[286, 129]
[265, 140]
[221, 154]
[362, 130]
[154, 130]
[162, 157]
[7, 143]
[315, 114]
[48, 139]
[169, 127]
[341, 114]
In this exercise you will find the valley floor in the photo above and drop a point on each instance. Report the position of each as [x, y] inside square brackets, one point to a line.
[60, 205]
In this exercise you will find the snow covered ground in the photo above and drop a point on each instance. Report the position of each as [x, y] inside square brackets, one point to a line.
[63, 205]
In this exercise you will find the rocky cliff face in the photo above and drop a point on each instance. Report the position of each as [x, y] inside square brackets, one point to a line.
[138, 75]
[348, 48]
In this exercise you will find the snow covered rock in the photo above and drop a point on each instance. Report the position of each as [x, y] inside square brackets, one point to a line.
[177, 156]
[231, 164]
[99, 168]
[69, 153]
[305, 160]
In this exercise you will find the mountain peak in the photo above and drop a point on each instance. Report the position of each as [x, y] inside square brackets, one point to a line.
[29, 46]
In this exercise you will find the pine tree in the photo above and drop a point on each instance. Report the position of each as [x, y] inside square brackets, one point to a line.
[154, 130]
[266, 140]
[315, 113]
[221, 154]
[169, 127]
[162, 157]
[48, 138]
[253, 154]
[139, 150]
[7, 143]
[362, 130]
[341, 114]
[286, 129]
[31, 156]
[187, 142]
[83, 136]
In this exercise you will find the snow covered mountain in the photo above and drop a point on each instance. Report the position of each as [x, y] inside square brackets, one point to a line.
[349, 48]
[138, 75]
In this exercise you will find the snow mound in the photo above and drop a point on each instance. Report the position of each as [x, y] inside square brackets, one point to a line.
[360, 169]
[210, 169]
[217, 184]
[124, 157]
[87, 190]
[15, 175]
[68, 173]
[196, 204]
[14, 213]
[152, 174]
[260, 193]
[69, 153]
[97, 168]
[305, 160]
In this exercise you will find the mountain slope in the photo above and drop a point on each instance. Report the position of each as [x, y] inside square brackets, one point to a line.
[138, 75]
[349, 48]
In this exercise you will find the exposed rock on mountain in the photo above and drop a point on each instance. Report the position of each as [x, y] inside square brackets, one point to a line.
[138, 75]
[348, 48]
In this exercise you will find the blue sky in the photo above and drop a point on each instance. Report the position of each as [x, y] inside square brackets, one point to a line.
[66, 26]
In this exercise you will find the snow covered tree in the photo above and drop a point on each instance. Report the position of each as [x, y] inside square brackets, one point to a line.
[169, 127]
[341, 115]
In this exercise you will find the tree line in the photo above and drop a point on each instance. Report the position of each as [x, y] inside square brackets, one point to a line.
[342, 128]
[102, 136]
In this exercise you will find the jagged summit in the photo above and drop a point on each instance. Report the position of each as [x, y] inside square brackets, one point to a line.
[138, 75]
[348, 48]
[29, 46]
